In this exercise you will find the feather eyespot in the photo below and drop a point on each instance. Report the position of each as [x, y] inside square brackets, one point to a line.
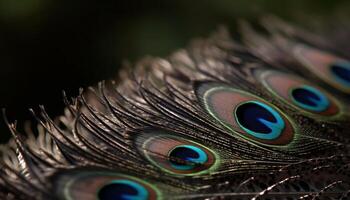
[186, 157]
[309, 98]
[332, 69]
[246, 115]
[299, 93]
[259, 120]
[100, 185]
[341, 72]
[122, 189]
[177, 155]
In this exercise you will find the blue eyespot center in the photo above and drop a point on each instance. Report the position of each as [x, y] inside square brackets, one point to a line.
[123, 190]
[310, 98]
[187, 157]
[259, 120]
[341, 72]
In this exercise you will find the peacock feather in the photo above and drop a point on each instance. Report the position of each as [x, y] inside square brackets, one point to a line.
[265, 116]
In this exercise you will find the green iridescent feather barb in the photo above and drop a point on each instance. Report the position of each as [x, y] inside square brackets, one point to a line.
[265, 116]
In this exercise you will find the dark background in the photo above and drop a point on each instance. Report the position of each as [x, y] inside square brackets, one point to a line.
[47, 46]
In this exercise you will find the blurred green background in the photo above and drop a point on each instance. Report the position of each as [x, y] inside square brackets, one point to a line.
[47, 46]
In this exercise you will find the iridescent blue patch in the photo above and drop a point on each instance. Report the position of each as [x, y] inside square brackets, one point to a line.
[123, 190]
[341, 72]
[186, 157]
[259, 120]
[310, 98]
